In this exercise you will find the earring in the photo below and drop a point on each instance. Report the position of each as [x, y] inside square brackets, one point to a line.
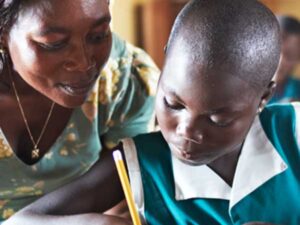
[2, 57]
[2, 51]
[261, 106]
[259, 110]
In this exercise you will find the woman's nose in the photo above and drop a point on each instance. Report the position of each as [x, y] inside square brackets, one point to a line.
[189, 132]
[80, 59]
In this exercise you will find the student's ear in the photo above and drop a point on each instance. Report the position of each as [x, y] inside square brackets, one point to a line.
[267, 95]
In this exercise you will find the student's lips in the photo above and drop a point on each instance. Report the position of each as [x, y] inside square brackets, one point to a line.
[183, 153]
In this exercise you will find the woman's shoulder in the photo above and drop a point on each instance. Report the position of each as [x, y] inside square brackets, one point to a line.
[128, 68]
[122, 49]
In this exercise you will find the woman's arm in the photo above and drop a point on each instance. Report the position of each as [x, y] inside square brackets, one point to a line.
[94, 192]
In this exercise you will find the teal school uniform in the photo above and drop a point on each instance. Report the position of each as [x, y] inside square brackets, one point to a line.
[266, 185]
[291, 91]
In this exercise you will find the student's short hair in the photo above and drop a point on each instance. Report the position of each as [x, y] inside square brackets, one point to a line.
[289, 25]
[239, 36]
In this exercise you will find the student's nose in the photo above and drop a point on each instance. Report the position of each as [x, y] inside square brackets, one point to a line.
[189, 130]
[80, 58]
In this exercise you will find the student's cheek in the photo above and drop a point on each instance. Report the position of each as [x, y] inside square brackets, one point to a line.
[167, 120]
[227, 137]
[238, 132]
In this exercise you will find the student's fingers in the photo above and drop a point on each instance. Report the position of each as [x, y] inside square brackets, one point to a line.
[113, 220]
[120, 210]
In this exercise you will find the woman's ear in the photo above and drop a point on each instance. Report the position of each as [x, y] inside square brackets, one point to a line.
[4, 40]
[267, 95]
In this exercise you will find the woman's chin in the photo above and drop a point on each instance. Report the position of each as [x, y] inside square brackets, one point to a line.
[70, 102]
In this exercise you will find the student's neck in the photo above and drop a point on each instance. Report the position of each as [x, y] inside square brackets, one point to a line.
[226, 165]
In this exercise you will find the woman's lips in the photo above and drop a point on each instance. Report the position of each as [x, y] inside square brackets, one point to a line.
[75, 91]
[78, 88]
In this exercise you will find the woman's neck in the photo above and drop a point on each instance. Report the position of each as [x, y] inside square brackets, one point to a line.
[23, 88]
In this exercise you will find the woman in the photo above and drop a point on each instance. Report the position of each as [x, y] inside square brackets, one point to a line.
[57, 112]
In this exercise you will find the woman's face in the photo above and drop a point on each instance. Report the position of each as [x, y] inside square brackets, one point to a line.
[59, 47]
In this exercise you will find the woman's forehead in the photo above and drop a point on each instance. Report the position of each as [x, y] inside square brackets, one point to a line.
[41, 15]
[65, 8]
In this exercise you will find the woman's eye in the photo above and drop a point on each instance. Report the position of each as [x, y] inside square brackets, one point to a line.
[174, 106]
[52, 46]
[98, 37]
[221, 122]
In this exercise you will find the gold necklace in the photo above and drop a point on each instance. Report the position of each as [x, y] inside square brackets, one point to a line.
[35, 152]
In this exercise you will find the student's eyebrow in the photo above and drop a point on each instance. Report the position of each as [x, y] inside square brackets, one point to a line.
[226, 109]
[170, 91]
[218, 110]
[62, 30]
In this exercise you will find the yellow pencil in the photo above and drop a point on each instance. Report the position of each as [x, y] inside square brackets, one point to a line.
[126, 187]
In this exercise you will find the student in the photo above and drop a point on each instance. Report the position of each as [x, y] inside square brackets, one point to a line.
[288, 87]
[221, 157]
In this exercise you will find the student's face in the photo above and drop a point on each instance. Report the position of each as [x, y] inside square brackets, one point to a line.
[203, 115]
[290, 55]
[59, 47]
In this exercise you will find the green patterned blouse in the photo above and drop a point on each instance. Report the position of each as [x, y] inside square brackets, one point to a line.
[120, 105]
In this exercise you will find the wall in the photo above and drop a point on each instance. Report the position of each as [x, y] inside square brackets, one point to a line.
[124, 16]
[291, 7]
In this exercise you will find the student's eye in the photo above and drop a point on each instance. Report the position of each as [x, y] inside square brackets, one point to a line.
[100, 36]
[52, 46]
[171, 105]
[219, 121]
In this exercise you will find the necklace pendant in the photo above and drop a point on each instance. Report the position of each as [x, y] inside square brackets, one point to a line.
[35, 153]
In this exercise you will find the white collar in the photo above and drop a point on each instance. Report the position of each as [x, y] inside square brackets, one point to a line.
[259, 161]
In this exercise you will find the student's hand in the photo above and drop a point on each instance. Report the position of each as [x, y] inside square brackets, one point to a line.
[113, 220]
[120, 210]
[259, 223]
